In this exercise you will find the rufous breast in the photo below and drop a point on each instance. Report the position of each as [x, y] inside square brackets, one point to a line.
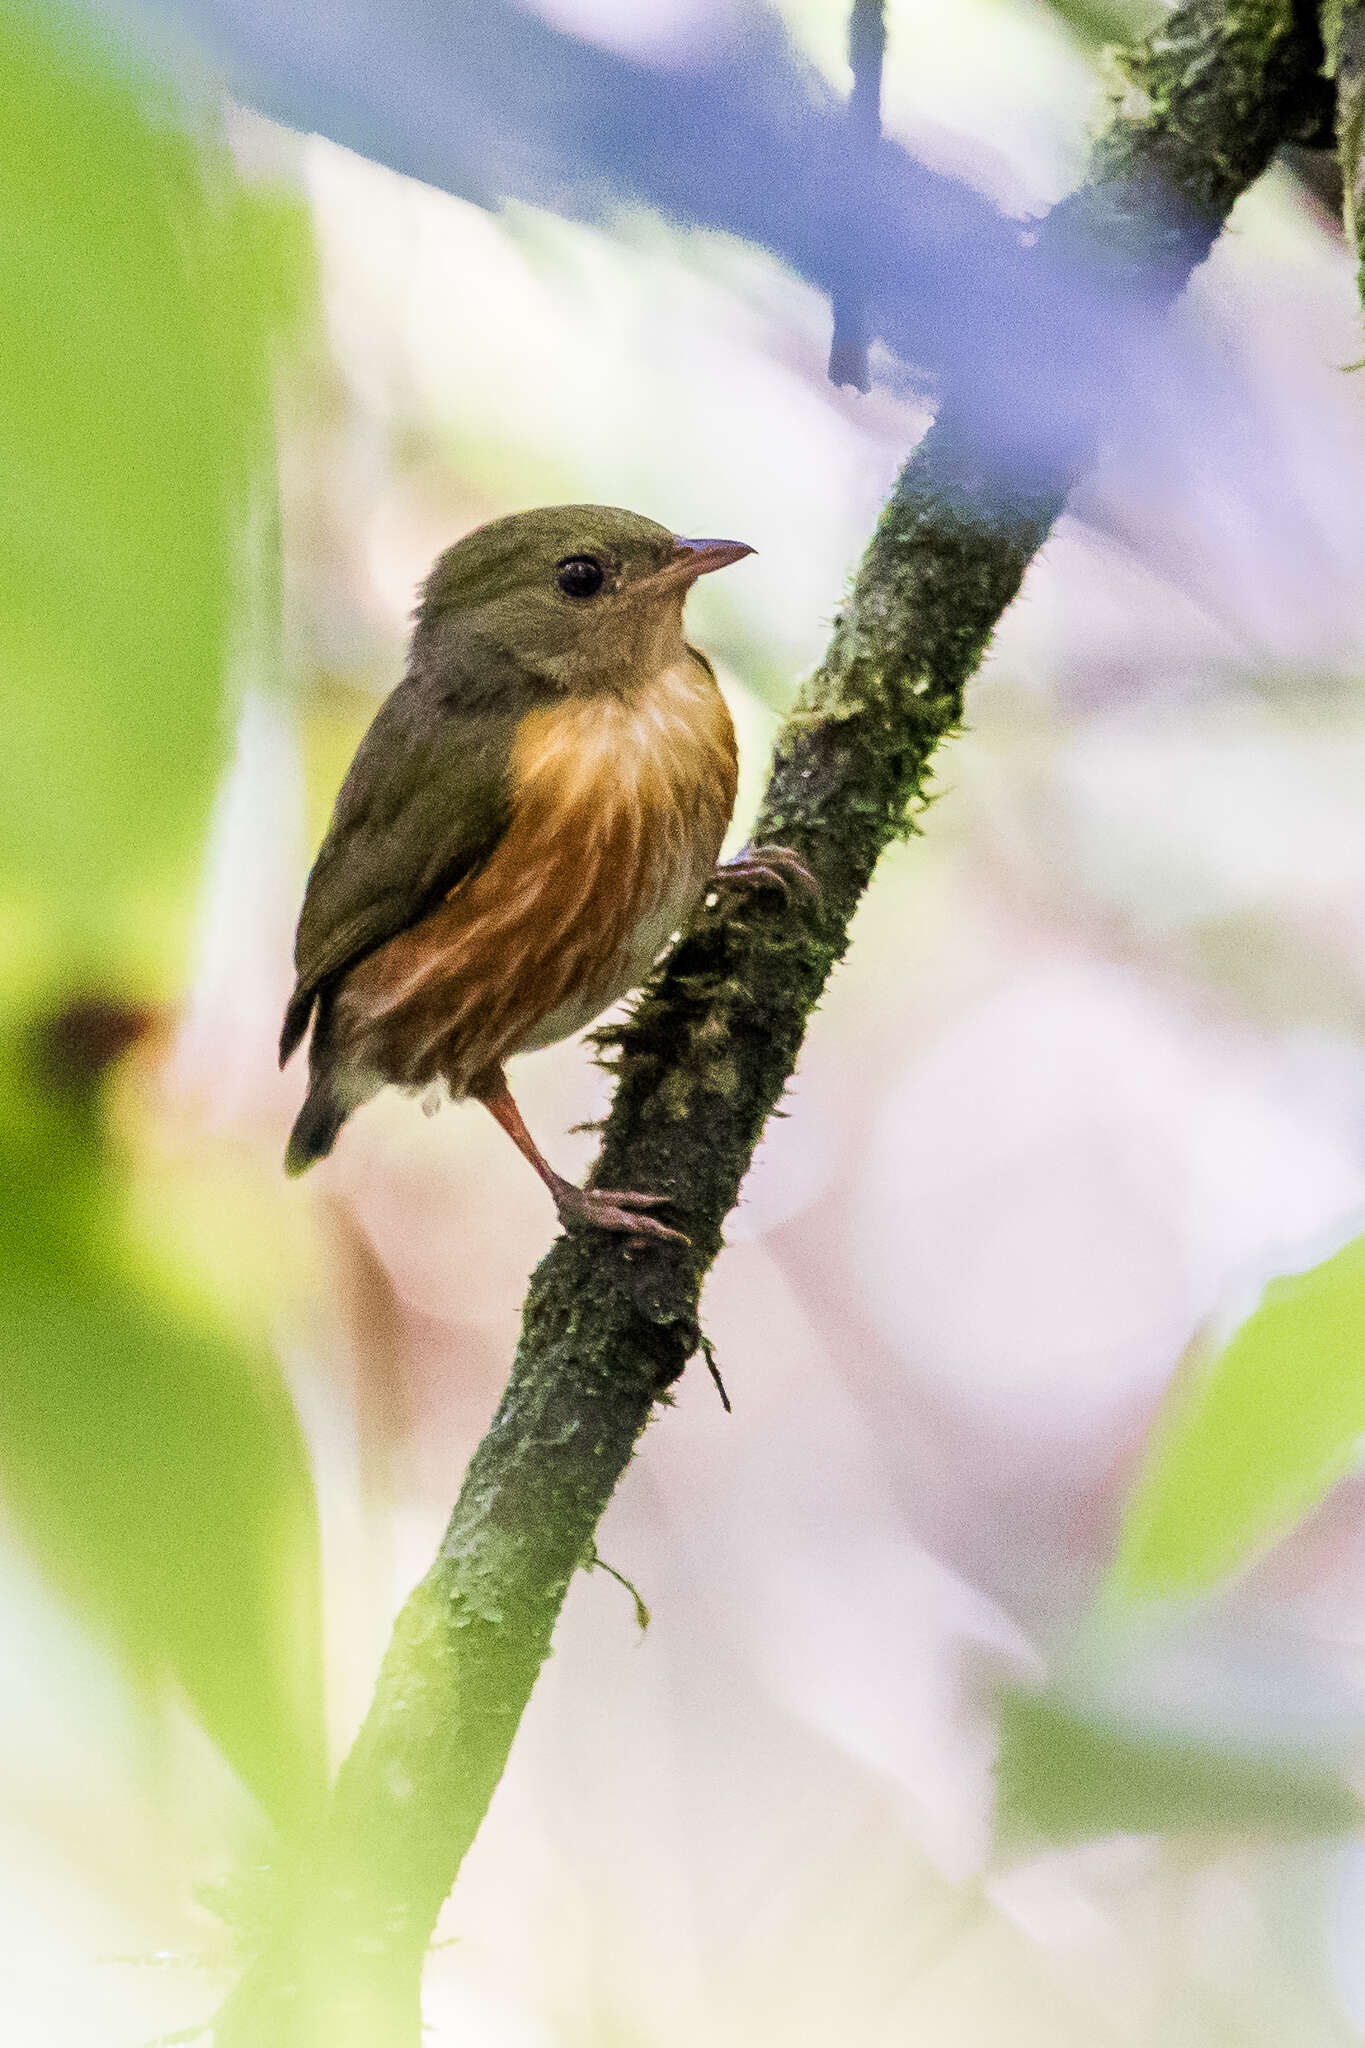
[620, 804]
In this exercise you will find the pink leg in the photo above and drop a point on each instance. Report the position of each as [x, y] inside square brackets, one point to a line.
[606, 1208]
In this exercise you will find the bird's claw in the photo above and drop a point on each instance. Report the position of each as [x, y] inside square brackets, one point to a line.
[769, 867]
[617, 1209]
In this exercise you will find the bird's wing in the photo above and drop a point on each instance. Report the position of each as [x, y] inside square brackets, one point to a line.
[425, 801]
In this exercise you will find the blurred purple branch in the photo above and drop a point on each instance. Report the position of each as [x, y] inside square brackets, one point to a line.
[607, 1326]
[866, 55]
[740, 135]
[736, 133]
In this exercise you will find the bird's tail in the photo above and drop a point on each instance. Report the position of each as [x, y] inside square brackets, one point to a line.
[316, 1126]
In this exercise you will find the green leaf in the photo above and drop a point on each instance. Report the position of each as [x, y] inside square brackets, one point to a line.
[1072, 1775]
[142, 293]
[154, 1465]
[158, 1473]
[1253, 1437]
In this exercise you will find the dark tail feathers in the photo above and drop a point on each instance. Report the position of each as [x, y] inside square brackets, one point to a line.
[315, 1127]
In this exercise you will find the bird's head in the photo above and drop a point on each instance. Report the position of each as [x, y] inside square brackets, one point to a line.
[584, 597]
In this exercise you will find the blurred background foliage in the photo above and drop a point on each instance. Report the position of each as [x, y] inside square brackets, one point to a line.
[1256, 1436]
[1007, 1676]
[150, 1456]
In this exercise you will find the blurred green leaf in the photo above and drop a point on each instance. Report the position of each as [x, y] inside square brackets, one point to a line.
[142, 291]
[1072, 1776]
[1253, 1438]
[155, 1467]
[159, 1476]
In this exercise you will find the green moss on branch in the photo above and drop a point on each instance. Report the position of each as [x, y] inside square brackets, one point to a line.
[1343, 33]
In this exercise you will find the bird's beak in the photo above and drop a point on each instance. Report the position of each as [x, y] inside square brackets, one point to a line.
[691, 559]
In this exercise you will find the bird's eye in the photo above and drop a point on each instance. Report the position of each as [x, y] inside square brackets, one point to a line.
[580, 575]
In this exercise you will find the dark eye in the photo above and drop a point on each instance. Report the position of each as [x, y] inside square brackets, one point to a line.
[580, 575]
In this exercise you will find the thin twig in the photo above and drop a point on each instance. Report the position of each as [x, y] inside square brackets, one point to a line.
[597, 1563]
[866, 58]
[707, 1350]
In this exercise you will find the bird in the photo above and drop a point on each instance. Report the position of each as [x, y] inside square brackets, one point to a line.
[535, 810]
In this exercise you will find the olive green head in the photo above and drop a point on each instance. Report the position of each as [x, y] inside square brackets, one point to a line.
[584, 597]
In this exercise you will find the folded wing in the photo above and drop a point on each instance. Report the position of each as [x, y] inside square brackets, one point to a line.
[424, 803]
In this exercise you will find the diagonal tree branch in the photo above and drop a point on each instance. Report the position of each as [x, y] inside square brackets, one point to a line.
[705, 1058]
[738, 134]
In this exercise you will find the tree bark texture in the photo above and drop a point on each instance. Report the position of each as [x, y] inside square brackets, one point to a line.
[1343, 35]
[704, 1059]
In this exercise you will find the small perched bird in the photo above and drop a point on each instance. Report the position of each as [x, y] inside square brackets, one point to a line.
[533, 813]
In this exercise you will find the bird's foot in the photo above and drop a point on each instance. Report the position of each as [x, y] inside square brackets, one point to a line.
[614, 1209]
[603, 1208]
[769, 867]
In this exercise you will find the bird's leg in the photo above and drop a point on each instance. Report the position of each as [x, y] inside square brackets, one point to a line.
[769, 867]
[607, 1208]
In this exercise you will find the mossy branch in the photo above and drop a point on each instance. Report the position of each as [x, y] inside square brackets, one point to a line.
[607, 1328]
[1343, 35]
